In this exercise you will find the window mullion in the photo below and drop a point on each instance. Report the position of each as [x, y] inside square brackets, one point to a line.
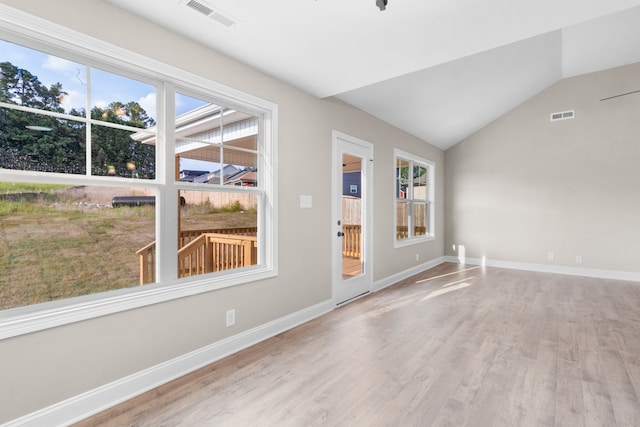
[88, 150]
[222, 178]
[411, 206]
[167, 207]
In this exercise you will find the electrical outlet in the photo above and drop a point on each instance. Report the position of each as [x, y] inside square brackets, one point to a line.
[417, 257]
[231, 317]
[578, 259]
[551, 256]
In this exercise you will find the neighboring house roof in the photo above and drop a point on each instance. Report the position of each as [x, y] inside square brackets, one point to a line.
[191, 175]
[228, 172]
[245, 177]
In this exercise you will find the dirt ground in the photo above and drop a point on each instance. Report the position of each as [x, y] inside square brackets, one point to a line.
[101, 195]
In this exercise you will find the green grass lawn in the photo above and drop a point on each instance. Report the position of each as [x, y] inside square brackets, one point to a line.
[21, 187]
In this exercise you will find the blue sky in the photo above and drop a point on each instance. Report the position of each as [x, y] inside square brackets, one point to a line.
[105, 87]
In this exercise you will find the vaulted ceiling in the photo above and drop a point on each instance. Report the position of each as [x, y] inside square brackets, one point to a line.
[438, 69]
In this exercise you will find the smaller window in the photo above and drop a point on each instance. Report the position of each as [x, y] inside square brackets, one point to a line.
[414, 179]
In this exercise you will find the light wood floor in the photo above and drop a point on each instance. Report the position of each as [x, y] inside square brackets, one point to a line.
[453, 346]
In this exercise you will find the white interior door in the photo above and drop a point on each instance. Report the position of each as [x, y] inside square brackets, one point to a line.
[352, 207]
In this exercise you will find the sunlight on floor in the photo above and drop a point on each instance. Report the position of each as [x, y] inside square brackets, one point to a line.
[446, 290]
[448, 274]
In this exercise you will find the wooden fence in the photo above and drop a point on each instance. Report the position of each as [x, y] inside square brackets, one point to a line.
[221, 252]
[351, 210]
[247, 200]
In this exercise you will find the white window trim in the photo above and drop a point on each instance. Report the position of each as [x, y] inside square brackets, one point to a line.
[431, 170]
[18, 26]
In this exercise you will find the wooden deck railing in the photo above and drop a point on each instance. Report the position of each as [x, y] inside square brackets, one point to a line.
[208, 256]
[352, 240]
[211, 252]
[147, 257]
[188, 235]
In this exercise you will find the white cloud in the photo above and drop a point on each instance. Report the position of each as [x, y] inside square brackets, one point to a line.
[148, 102]
[73, 99]
[101, 103]
[54, 63]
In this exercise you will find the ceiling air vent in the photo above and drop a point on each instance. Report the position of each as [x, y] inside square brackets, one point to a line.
[199, 7]
[563, 115]
[206, 10]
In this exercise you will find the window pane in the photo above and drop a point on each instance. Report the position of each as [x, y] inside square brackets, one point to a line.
[246, 163]
[122, 153]
[122, 100]
[218, 231]
[36, 142]
[198, 140]
[54, 240]
[402, 179]
[186, 104]
[419, 182]
[240, 129]
[215, 144]
[35, 79]
[419, 219]
[402, 215]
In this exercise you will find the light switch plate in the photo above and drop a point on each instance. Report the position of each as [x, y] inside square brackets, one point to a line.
[306, 201]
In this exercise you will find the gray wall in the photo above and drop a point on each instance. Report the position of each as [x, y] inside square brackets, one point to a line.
[524, 186]
[43, 368]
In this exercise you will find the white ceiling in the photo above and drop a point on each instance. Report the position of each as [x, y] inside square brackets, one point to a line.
[438, 69]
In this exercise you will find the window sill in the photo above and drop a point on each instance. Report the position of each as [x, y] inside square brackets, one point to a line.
[33, 318]
[412, 241]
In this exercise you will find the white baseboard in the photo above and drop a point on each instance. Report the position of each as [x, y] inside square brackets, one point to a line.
[92, 402]
[546, 268]
[395, 278]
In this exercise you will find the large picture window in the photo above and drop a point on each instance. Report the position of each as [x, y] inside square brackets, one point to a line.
[90, 173]
[413, 198]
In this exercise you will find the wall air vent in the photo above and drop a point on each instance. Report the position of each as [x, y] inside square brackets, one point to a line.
[207, 10]
[563, 115]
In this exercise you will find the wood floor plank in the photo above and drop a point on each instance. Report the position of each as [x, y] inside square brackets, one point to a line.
[541, 409]
[626, 405]
[452, 346]
[570, 409]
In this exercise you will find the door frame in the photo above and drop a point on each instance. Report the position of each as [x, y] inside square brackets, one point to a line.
[340, 139]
